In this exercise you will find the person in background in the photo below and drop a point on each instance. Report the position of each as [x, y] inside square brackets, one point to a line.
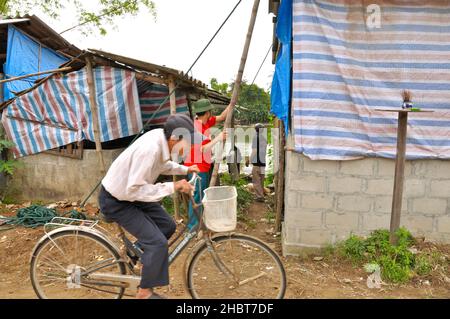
[130, 196]
[258, 160]
[201, 154]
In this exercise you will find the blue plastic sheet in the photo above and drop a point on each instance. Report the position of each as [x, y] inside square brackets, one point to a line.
[26, 56]
[281, 84]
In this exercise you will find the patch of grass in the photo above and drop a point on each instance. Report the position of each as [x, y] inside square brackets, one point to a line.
[397, 262]
[9, 200]
[423, 266]
[270, 216]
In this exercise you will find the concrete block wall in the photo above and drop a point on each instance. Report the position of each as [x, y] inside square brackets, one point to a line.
[46, 177]
[326, 201]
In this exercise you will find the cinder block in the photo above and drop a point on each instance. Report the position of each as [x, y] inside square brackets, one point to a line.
[320, 167]
[318, 237]
[292, 234]
[444, 224]
[307, 219]
[414, 187]
[383, 204]
[308, 184]
[376, 221]
[293, 162]
[434, 169]
[346, 185]
[440, 188]
[343, 221]
[386, 167]
[380, 187]
[429, 206]
[319, 201]
[354, 203]
[364, 167]
[292, 199]
[417, 224]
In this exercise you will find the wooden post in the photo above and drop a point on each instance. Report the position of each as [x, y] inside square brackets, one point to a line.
[1, 88]
[399, 169]
[237, 87]
[94, 111]
[68, 68]
[399, 175]
[173, 110]
[279, 187]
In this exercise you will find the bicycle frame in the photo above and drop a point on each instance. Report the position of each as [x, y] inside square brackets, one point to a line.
[130, 281]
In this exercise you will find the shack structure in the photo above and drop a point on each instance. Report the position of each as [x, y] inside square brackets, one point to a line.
[68, 126]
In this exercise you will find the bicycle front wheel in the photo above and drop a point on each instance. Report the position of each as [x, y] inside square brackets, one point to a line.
[252, 270]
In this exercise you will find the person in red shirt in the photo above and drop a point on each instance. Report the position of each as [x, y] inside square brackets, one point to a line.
[201, 154]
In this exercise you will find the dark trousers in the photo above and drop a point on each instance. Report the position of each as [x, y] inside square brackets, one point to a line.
[152, 227]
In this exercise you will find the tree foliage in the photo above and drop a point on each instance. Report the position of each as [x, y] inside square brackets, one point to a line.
[104, 14]
[253, 105]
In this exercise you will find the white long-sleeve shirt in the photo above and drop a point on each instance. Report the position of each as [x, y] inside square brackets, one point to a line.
[133, 174]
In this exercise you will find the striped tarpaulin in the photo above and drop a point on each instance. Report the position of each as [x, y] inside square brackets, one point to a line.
[345, 65]
[151, 100]
[58, 112]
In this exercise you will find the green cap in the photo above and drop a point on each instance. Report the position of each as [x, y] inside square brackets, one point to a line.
[201, 106]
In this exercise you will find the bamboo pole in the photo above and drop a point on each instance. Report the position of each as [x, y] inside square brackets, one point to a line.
[94, 111]
[237, 87]
[68, 68]
[173, 110]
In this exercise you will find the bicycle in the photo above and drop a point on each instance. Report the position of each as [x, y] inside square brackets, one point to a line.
[77, 259]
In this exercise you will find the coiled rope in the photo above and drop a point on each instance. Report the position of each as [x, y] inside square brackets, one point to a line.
[36, 215]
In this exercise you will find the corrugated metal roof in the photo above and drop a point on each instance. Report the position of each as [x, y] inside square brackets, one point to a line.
[162, 73]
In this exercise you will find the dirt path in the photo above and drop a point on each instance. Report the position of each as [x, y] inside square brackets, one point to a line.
[326, 278]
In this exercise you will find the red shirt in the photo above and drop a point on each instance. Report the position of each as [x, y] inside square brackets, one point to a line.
[197, 157]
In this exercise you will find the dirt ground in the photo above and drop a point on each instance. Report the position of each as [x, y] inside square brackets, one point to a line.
[308, 276]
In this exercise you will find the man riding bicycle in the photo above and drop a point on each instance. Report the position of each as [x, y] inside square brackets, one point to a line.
[130, 195]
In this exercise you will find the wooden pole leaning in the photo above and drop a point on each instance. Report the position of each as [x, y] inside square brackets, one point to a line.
[236, 89]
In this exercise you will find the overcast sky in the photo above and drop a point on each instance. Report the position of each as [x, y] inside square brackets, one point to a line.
[181, 30]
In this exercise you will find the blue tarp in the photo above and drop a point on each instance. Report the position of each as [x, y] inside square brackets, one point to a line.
[281, 84]
[23, 58]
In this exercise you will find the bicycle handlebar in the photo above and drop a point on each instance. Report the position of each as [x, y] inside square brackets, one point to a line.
[193, 179]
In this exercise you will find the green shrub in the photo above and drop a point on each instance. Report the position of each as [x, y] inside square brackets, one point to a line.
[396, 261]
[423, 266]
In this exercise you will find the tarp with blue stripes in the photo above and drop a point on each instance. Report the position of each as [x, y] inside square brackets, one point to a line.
[58, 112]
[151, 100]
[345, 66]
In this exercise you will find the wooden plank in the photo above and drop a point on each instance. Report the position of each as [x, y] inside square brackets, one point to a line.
[151, 79]
[35, 74]
[94, 111]
[399, 175]
[173, 110]
[404, 110]
[279, 187]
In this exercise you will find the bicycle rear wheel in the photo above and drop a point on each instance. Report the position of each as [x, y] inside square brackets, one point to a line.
[59, 263]
[254, 270]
